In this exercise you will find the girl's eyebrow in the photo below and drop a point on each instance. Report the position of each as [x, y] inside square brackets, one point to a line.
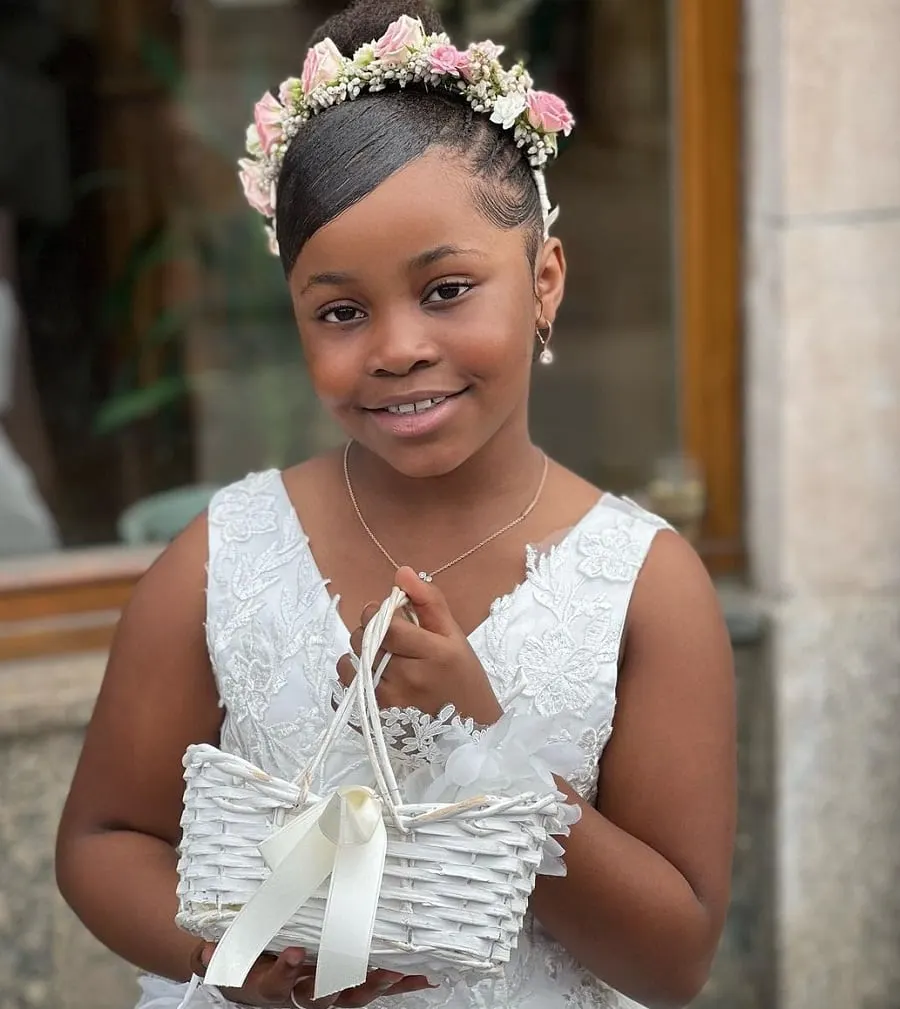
[327, 280]
[435, 255]
[419, 262]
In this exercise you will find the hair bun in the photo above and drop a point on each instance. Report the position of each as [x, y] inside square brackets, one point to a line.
[366, 20]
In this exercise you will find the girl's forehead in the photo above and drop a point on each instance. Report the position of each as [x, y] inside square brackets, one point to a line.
[426, 206]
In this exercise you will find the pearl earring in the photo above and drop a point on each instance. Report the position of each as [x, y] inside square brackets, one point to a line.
[545, 335]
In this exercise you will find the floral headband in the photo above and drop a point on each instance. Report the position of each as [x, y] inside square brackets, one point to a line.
[404, 55]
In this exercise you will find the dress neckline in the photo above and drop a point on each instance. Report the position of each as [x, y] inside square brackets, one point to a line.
[335, 599]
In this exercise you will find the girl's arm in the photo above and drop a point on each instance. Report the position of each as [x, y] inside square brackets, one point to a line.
[116, 846]
[645, 898]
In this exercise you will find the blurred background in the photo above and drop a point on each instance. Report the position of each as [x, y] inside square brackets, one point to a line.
[728, 353]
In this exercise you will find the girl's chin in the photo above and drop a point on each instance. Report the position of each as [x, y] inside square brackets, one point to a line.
[420, 460]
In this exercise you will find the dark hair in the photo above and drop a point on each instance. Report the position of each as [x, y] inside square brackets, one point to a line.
[344, 153]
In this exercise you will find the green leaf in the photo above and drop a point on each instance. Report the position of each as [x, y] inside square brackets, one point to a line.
[127, 408]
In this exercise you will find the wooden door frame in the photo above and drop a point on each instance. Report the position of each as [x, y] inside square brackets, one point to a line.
[708, 131]
[71, 602]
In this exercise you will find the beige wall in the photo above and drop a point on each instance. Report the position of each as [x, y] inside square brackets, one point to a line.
[47, 959]
[824, 478]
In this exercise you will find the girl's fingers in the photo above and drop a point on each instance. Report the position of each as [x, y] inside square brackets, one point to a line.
[403, 637]
[356, 641]
[428, 601]
[369, 611]
[346, 670]
[408, 641]
[378, 984]
[279, 980]
[408, 985]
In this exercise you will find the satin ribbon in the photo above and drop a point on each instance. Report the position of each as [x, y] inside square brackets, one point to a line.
[342, 836]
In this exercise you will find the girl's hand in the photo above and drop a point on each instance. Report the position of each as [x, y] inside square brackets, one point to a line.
[379, 984]
[279, 983]
[433, 665]
[270, 981]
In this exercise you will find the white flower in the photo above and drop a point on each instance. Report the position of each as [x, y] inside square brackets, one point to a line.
[507, 110]
[254, 145]
[507, 758]
[273, 240]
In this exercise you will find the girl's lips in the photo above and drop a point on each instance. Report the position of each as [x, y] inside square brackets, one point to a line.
[416, 425]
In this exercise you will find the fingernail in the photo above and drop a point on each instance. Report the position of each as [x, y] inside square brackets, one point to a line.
[206, 955]
[294, 957]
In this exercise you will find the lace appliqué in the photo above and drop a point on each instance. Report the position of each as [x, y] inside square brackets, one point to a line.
[562, 666]
[243, 512]
[416, 737]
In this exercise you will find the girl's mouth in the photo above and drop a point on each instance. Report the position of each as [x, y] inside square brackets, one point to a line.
[421, 407]
[418, 417]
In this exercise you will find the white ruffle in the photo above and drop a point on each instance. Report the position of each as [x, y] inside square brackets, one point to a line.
[520, 753]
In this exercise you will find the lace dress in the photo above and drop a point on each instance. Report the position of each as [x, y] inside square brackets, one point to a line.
[552, 644]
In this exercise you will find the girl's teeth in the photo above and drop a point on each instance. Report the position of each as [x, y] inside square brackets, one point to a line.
[421, 407]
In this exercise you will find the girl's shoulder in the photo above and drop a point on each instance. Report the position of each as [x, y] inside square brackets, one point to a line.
[582, 506]
[275, 490]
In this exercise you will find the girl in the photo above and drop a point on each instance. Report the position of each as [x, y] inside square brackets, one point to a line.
[413, 227]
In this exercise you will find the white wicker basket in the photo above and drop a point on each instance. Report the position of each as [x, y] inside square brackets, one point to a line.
[456, 878]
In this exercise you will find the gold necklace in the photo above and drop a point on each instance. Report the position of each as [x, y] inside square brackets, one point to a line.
[424, 575]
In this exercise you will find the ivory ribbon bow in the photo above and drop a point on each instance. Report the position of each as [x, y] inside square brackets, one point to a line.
[342, 836]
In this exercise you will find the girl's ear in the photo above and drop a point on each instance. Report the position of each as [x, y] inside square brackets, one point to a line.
[550, 281]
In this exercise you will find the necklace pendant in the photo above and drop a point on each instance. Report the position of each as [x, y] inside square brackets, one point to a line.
[426, 577]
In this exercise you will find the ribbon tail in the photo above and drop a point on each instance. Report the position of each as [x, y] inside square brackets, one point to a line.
[293, 881]
[346, 940]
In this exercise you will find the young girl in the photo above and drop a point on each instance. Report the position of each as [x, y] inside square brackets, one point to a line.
[413, 227]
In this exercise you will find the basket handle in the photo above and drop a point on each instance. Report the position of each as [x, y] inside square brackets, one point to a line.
[361, 696]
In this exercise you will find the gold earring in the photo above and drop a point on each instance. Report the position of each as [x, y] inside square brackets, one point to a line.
[545, 335]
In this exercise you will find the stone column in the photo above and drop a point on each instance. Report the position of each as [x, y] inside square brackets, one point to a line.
[823, 397]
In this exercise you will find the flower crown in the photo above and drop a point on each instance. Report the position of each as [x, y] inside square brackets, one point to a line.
[404, 55]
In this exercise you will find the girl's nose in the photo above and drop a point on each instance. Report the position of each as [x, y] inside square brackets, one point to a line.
[400, 346]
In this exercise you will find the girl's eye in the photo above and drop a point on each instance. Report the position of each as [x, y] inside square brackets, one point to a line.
[341, 314]
[448, 291]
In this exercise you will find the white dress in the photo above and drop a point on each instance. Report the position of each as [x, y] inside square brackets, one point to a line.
[275, 636]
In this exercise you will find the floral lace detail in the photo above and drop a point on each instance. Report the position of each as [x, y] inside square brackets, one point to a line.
[611, 554]
[245, 512]
[550, 648]
[584, 780]
[416, 736]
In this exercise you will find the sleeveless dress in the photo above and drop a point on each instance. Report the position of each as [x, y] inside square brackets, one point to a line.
[552, 644]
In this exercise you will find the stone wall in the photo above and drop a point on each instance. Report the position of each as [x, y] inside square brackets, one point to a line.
[824, 479]
[47, 959]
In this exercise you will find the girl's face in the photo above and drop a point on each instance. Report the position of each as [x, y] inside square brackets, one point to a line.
[418, 319]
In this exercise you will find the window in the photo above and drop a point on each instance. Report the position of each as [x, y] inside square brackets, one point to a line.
[148, 352]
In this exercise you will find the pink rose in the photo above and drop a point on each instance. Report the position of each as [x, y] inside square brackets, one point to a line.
[446, 59]
[549, 113]
[323, 65]
[268, 116]
[404, 34]
[256, 189]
